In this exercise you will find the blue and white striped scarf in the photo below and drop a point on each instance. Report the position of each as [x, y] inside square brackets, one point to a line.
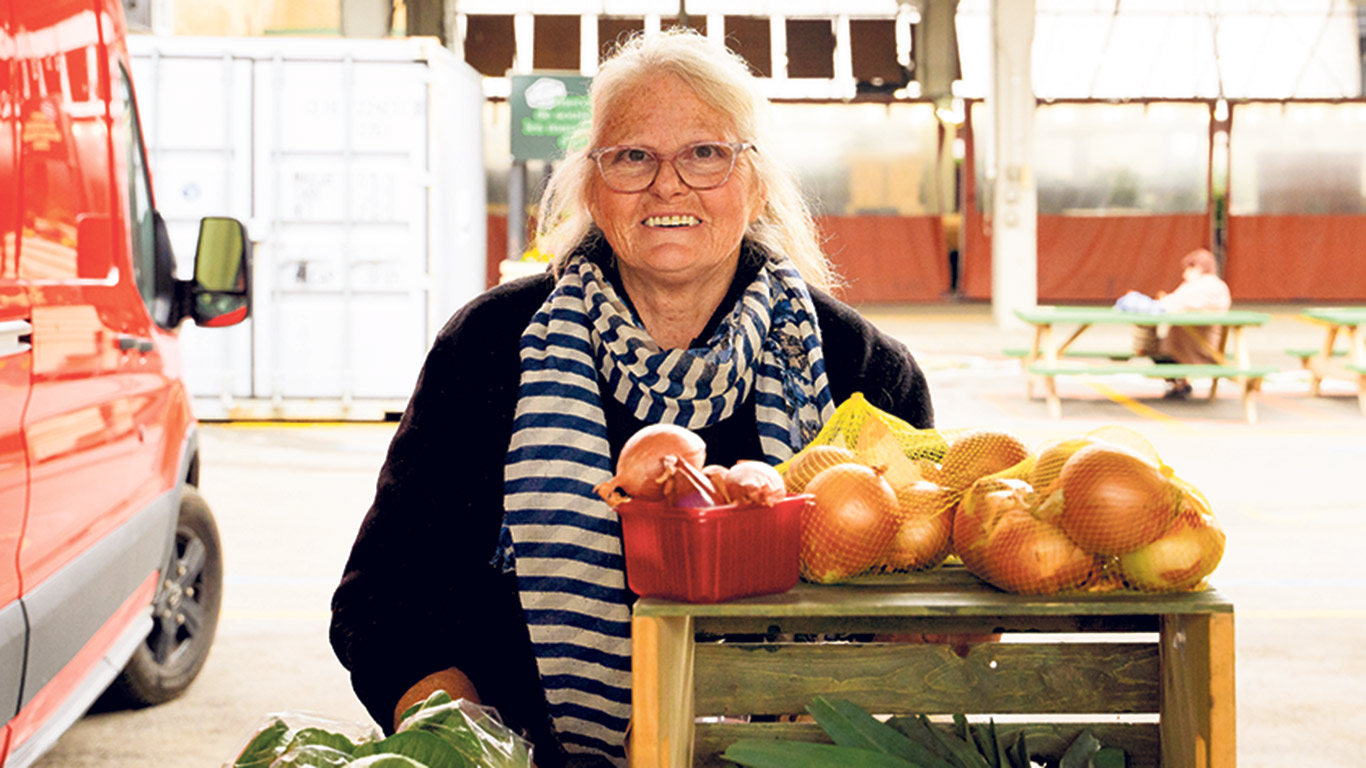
[562, 540]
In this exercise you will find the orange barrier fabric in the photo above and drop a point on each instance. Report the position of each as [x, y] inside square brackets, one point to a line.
[887, 258]
[1296, 257]
[881, 258]
[1095, 258]
[497, 240]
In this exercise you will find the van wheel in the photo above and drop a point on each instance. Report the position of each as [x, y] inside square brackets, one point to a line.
[184, 614]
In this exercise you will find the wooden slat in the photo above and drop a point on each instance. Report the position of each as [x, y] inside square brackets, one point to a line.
[781, 678]
[775, 626]
[1198, 704]
[1045, 740]
[661, 694]
[946, 592]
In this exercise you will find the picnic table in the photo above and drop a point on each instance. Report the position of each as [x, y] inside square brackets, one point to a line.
[1048, 358]
[1152, 674]
[1345, 321]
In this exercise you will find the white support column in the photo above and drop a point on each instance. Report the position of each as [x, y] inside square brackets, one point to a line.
[777, 42]
[524, 41]
[716, 28]
[844, 58]
[1014, 206]
[588, 44]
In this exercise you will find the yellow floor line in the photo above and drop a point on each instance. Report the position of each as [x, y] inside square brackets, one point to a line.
[1132, 404]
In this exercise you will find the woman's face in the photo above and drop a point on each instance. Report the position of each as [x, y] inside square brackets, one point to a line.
[670, 233]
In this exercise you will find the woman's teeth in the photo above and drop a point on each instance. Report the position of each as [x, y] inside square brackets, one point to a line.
[672, 221]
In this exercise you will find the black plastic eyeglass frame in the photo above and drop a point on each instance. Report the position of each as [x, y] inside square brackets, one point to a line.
[736, 148]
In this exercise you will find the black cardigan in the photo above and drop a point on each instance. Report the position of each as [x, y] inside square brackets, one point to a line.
[418, 594]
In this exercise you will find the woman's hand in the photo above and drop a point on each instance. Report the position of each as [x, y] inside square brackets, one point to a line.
[452, 681]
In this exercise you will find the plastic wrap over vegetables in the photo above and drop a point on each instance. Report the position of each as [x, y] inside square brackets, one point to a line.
[437, 733]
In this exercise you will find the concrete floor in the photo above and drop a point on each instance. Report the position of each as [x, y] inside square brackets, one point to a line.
[288, 499]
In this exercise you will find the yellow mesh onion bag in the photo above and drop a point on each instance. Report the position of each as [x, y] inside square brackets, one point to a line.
[1089, 511]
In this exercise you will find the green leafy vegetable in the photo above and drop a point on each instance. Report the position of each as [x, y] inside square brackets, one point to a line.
[264, 747]
[764, 753]
[425, 748]
[1079, 754]
[1109, 757]
[313, 756]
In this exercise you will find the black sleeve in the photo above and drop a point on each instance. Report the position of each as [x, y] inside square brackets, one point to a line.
[418, 594]
[860, 358]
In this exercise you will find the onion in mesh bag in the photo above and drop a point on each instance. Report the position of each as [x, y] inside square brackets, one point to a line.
[851, 517]
[1113, 501]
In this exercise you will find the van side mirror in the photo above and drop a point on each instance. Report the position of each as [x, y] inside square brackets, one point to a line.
[219, 294]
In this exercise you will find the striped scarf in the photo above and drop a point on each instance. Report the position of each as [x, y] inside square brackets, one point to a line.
[563, 542]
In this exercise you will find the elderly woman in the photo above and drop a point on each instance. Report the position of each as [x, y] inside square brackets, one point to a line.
[687, 289]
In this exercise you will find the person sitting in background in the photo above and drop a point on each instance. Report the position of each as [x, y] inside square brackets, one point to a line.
[1201, 290]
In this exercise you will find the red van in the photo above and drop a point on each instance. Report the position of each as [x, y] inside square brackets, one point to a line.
[110, 568]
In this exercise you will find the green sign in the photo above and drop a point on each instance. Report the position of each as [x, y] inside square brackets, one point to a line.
[547, 110]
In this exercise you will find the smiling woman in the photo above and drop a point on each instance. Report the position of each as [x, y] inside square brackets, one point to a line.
[687, 289]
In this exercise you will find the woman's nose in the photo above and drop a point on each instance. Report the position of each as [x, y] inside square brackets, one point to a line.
[668, 182]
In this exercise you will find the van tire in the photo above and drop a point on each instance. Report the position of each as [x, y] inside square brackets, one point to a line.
[184, 614]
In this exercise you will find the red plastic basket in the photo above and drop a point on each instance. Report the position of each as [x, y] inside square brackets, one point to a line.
[711, 554]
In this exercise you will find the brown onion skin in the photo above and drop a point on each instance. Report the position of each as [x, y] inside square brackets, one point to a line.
[810, 462]
[1182, 556]
[641, 467]
[753, 483]
[848, 523]
[1028, 556]
[716, 474]
[1114, 501]
[977, 515]
[1051, 459]
[980, 453]
[924, 526]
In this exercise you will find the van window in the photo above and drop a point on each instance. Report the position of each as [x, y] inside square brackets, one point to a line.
[139, 192]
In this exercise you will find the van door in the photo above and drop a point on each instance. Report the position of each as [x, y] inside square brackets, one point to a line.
[98, 514]
[16, 364]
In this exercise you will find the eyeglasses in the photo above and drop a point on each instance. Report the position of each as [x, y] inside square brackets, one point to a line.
[704, 165]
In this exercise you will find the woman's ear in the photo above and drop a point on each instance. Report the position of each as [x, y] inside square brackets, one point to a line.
[759, 202]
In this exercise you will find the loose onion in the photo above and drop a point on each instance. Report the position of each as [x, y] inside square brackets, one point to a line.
[848, 523]
[980, 453]
[925, 521]
[641, 469]
[687, 486]
[1113, 501]
[753, 483]
[716, 474]
[810, 462]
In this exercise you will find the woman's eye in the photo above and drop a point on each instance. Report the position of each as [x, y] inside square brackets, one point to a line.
[633, 155]
[705, 151]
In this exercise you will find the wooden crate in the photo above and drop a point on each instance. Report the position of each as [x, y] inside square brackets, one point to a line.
[1153, 672]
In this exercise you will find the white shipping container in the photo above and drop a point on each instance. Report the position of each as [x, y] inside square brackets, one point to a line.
[357, 166]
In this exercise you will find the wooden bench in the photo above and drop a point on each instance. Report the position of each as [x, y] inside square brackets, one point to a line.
[1344, 322]
[1305, 354]
[1083, 354]
[1045, 358]
[1152, 674]
[1249, 378]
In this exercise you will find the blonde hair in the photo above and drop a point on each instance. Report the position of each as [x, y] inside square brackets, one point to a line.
[722, 80]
